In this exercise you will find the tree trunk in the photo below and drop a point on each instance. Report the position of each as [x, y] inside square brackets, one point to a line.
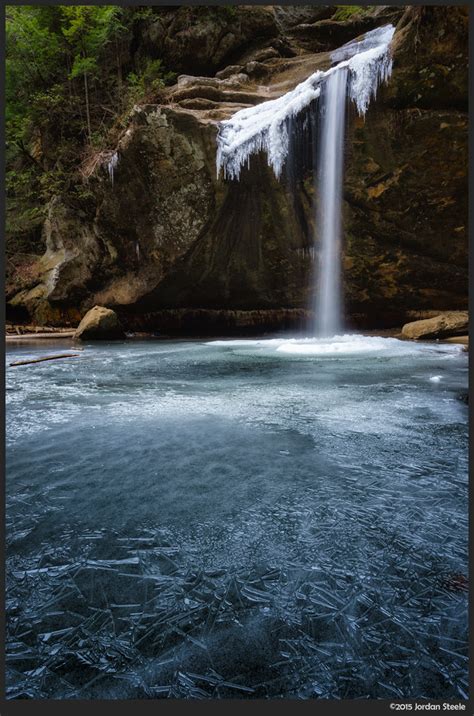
[69, 81]
[119, 72]
[40, 360]
[86, 88]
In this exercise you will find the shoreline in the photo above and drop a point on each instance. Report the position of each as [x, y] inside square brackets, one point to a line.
[39, 334]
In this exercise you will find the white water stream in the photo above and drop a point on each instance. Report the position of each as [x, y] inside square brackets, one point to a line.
[362, 65]
[330, 170]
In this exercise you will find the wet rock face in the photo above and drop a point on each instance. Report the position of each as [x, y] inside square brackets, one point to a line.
[212, 322]
[253, 253]
[167, 234]
[405, 212]
[148, 211]
[325, 31]
[406, 179]
[194, 42]
[430, 59]
[158, 205]
[64, 271]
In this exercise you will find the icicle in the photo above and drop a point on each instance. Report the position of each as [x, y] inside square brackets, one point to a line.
[264, 127]
[111, 164]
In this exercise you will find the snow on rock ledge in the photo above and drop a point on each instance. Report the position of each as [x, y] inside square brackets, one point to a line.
[264, 127]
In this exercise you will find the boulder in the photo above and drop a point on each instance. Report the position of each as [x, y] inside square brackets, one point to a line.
[99, 324]
[449, 323]
[459, 340]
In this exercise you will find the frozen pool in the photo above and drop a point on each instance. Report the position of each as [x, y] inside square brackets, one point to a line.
[238, 519]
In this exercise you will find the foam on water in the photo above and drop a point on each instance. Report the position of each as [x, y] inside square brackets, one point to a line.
[343, 344]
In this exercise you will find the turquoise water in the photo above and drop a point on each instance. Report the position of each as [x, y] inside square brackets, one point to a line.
[238, 519]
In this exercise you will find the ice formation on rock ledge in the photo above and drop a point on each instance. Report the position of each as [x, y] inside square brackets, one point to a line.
[264, 127]
[379, 36]
[111, 164]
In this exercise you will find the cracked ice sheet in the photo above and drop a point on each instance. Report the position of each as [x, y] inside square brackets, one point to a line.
[279, 550]
[250, 609]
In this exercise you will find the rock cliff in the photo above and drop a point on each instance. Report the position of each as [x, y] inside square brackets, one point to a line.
[161, 234]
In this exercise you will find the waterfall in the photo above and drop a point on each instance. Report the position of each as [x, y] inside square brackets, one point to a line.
[278, 127]
[329, 172]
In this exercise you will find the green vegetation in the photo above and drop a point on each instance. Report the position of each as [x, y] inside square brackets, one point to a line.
[148, 82]
[70, 80]
[344, 12]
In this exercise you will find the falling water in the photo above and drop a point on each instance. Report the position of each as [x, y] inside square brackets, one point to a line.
[285, 128]
[330, 171]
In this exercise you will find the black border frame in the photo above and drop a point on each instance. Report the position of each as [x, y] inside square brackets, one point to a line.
[213, 706]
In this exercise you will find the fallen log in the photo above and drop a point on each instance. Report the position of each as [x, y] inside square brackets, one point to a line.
[40, 360]
[25, 337]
